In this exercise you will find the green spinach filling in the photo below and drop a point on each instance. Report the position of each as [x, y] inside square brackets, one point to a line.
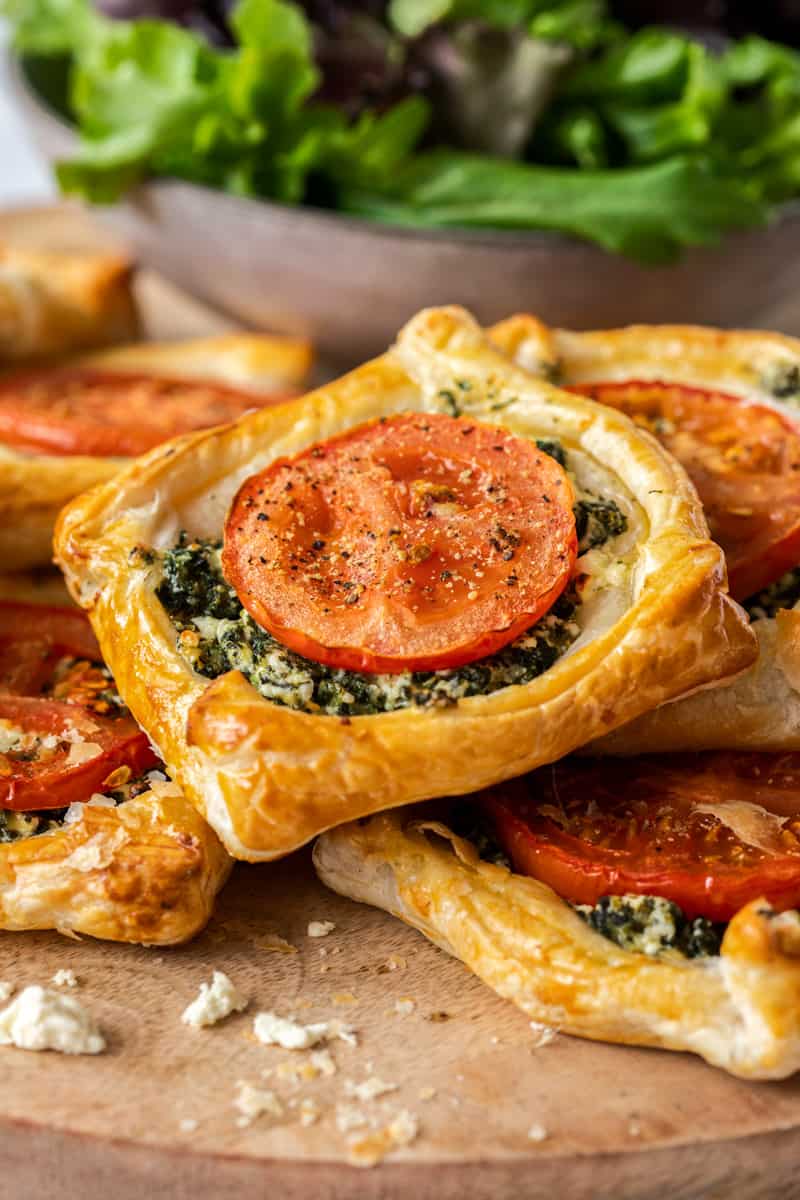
[784, 593]
[782, 380]
[216, 634]
[651, 925]
[646, 924]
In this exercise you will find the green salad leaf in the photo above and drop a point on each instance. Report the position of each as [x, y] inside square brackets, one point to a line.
[648, 212]
[537, 114]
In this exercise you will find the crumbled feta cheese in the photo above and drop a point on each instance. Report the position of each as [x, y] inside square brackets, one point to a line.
[318, 929]
[537, 1133]
[43, 1019]
[65, 978]
[214, 1002]
[6, 990]
[370, 1089]
[188, 1125]
[404, 1006]
[272, 1030]
[252, 1102]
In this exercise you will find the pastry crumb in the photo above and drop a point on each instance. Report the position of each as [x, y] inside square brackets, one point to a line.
[309, 1113]
[543, 1034]
[319, 929]
[427, 1093]
[253, 1102]
[370, 1089]
[369, 1150]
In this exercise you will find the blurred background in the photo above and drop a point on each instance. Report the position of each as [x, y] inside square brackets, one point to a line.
[596, 161]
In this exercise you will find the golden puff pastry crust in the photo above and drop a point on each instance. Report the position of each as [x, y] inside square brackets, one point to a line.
[55, 303]
[35, 487]
[739, 1011]
[655, 618]
[761, 709]
[146, 871]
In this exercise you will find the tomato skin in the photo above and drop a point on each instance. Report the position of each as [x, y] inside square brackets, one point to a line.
[33, 641]
[744, 460]
[417, 542]
[704, 872]
[34, 637]
[74, 410]
[50, 784]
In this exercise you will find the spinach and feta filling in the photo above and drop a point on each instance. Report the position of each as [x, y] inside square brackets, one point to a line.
[784, 593]
[16, 826]
[215, 634]
[652, 925]
[782, 380]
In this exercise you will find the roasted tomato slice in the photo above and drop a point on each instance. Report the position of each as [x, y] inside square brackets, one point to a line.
[81, 411]
[62, 732]
[57, 753]
[744, 460]
[708, 831]
[34, 638]
[416, 542]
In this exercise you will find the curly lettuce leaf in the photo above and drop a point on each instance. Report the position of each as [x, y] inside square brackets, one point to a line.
[579, 23]
[648, 212]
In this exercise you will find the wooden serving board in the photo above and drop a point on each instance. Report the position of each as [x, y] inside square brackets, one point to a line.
[154, 1116]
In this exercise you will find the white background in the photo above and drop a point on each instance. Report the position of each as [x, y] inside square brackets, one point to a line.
[23, 176]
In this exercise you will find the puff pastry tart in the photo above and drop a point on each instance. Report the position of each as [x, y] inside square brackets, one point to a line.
[663, 914]
[53, 303]
[433, 574]
[727, 405]
[66, 427]
[94, 838]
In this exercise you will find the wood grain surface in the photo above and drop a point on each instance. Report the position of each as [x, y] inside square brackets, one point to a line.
[154, 1118]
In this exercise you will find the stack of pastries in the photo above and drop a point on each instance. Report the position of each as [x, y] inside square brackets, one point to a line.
[462, 616]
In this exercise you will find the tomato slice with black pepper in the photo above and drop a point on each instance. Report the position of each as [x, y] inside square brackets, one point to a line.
[710, 831]
[744, 460]
[416, 542]
[34, 638]
[78, 410]
[63, 731]
[66, 752]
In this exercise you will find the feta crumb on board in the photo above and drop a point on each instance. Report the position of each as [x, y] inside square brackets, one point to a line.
[6, 990]
[65, 978]
[404, 1006]
[537, 1133]
[253, 1102]
[272, 1030]
[309, 1112]
[319, 929]
[43, 1019]
[188, 1125]
[214, 1002]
